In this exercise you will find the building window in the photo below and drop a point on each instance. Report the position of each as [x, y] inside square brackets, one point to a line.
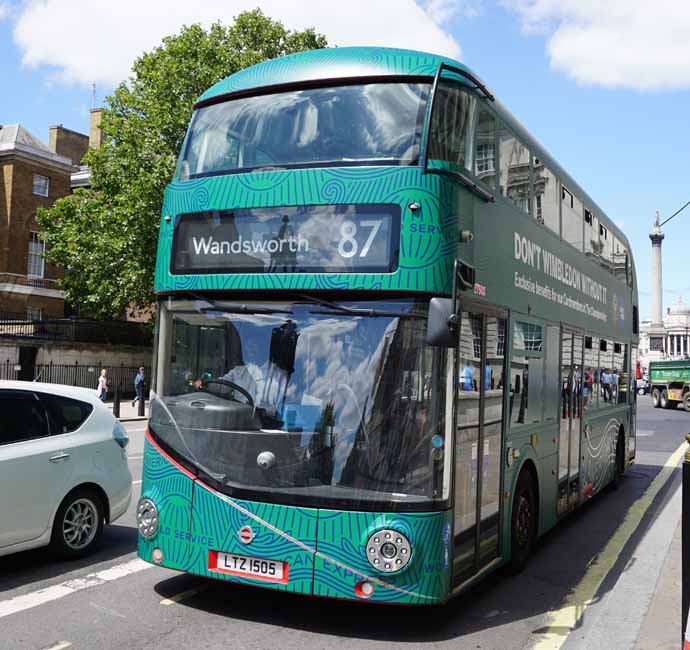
[485, 158]
[41, 185]
[34, 313]
[35, 261]
[476, 322]
[501, 344]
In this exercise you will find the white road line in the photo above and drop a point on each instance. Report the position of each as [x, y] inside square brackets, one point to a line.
[42, 596]
[134, 457]
[136, 482]
[60, 645]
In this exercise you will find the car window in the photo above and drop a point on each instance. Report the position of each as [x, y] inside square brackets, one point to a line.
[21, 417]
[64, 413]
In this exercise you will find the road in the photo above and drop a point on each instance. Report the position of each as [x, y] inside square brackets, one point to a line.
[111, 601]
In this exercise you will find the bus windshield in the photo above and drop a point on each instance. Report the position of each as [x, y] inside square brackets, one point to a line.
[305, 403]
[375, 123]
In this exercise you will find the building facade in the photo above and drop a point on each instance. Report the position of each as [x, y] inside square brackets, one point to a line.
[32, 175]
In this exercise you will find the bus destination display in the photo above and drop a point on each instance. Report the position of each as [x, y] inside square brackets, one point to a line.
[303, 239]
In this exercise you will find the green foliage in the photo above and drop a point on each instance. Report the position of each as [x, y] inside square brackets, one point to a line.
[105, 237]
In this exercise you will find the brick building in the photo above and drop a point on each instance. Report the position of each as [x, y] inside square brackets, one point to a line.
[32, 175]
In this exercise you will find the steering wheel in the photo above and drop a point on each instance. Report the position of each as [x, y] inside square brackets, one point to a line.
[234, 386]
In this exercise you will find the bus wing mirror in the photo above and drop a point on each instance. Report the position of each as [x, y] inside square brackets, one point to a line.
[441, 328]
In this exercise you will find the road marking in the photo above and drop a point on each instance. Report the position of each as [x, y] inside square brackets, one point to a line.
[183, 595]
[60, 645]
[134, 457]
[42, 596]
[136, 482]
[135, 430]
[561, 622]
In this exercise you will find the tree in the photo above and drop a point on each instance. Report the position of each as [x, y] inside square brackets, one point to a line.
[105, 236]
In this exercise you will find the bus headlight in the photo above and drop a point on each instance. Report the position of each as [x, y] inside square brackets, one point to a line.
[388, 551]
[147, 518]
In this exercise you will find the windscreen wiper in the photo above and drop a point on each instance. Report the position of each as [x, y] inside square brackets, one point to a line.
[335, 308]
[234, 309]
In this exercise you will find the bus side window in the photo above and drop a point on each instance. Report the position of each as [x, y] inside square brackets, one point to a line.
[485, 149]
[545, 192]
[451, 126]
[620, 260]
[592, 374]
[593, 244]
[573, 218]
[515, 160]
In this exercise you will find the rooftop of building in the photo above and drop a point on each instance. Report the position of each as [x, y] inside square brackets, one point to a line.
[16, 139]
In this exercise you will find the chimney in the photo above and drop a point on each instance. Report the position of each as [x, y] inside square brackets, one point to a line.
[68, 143]
[95, 134]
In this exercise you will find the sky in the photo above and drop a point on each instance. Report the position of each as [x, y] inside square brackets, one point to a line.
[603, 85]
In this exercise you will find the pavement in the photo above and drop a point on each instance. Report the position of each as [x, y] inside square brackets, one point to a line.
[129, 413]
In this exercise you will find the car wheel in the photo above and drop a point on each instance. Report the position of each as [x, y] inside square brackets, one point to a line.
[686, 401]
[523, 523]
[641, 391]
[78, 524]
[656, 397]
[663, 399]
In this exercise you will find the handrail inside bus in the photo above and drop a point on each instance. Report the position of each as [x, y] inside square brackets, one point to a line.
[464, 179]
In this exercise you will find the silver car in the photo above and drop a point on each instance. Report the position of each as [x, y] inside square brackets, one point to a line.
[63, 468]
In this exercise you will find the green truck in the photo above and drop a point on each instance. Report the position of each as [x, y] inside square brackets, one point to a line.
[670, 383]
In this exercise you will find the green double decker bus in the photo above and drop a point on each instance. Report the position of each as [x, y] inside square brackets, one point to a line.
[394, 336]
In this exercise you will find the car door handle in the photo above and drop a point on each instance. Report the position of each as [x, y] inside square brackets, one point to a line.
[58, 457]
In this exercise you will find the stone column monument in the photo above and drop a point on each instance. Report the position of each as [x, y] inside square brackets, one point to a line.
[658, 348]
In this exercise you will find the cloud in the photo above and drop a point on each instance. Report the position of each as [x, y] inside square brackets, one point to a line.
[106, 37]
[634, 44]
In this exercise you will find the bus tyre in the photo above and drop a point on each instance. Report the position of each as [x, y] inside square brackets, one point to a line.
[656, 398]
[523, 523]
[663, 400]
[686, 401]
[78, 524]
[619, 466]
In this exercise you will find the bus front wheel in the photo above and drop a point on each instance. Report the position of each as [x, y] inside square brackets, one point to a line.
[523, 522]
[656, 398]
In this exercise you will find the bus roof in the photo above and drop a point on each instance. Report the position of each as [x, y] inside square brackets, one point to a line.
[335, 63]
[345, 63]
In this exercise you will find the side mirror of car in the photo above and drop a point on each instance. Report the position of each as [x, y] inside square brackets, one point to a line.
[442, 324]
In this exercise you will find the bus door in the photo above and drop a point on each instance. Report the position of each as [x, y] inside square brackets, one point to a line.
[570, 415]
[478, 442]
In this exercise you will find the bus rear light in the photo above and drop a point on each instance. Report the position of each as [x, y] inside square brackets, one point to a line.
[388, 551]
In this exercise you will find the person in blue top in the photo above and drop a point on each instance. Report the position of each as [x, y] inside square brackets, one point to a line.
[139, 386]
[466, 378]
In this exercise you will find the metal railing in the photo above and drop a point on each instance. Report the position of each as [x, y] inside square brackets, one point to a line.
[84, 375]
[78, 330]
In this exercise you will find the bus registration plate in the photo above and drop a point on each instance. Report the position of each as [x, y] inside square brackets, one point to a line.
[244, 565]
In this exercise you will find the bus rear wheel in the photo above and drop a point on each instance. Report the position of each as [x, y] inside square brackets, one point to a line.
[523, 523]
[656, 398]
[663, 400]
[619, 467]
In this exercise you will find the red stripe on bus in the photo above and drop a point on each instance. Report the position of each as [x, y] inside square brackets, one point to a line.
[173, 462]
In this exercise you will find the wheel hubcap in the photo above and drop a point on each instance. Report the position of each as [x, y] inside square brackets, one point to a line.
[80, 524]
[524, 521]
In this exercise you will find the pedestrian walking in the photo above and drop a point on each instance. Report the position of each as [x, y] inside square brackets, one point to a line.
[606, 379]
[138, 386]
[103, 385]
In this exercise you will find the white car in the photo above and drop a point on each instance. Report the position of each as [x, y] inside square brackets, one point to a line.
[63, 468]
